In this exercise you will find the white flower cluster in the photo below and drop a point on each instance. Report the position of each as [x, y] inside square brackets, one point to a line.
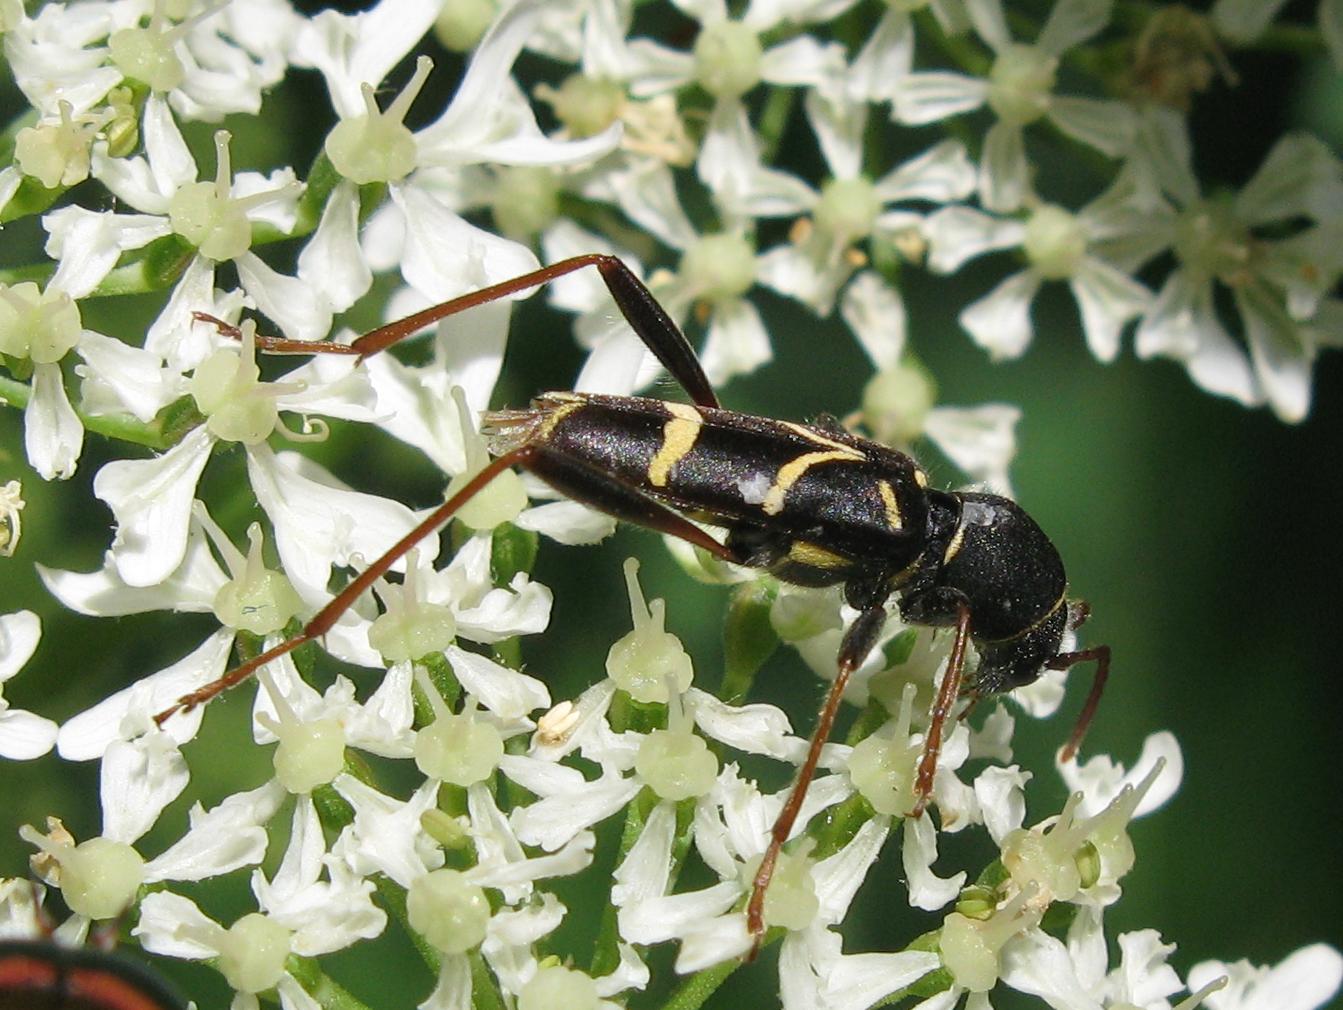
[655, 147]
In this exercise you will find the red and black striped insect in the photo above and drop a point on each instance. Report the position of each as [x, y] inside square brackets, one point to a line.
[812, 504]
[43, 975]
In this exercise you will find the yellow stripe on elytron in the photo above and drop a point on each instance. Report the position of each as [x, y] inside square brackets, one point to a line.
[804, 552]
[888, 499]
[678, 438]
[557, 414]
[812, 435]
[791, 471]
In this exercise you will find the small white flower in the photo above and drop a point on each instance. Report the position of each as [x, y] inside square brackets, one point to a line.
[852, 208]
[299, 913]
[1019, 89]
[23, 735]
[1305, 979]
[1279, 285]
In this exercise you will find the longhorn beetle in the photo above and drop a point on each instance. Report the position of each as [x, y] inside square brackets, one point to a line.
[810, 503]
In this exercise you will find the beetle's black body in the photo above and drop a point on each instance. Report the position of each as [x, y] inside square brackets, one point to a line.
[815, 506]
[811, 503]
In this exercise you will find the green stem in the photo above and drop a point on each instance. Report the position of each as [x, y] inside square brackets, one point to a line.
[485, 993]
[774, 120]
[692, 993]
[321, 987]
[122, 427]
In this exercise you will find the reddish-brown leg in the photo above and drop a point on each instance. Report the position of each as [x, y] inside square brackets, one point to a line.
[326, 618]
[942, 705]
[1064, 660]
[857, 643]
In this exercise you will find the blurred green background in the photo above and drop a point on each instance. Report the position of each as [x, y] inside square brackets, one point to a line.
[1206, 537]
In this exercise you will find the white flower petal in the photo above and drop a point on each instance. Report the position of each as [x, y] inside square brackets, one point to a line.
[1107, 298]
[803, 61]
[670, 916]
[445, 256]
[941, 174]
[646, 868]
[655, 68]
[573, 857]
[567, 522]
[729, 165]
[1004, 172]
[191, 588]
[756, 729]
[1101, 779]
[918, 848]
[1183, 324]
[647, 193]
[722, 938]
[737, 342]
[1307, 978]
[838, 877]
[331, 261]
[53, 435]
[1109, 127]
[453, 990]
[1281, 352]
[1072, 22]
[1000, 322]
[88, 734]
[875, 312]
[885, 59]
[172, 925]
[507, 693]
[135, 376]
[1002, 799]
[618, 365]
[990, 22]
[296, 305]
[319, 524]
[857, 981]
[980, 440]
[88, 244]
[23, 735]
[958, 234]
[151, 501]
[1035, 962]
[351, 50]
[385, 836]
[19, 634]
[923, 98]
[138, 778]
[551, 822]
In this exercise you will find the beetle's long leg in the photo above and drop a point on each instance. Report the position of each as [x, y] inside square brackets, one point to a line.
[649, 320]
[641, 310]
[858, 642]
[575, 480]
[1101, 654]
[326, 618]
[942, 705]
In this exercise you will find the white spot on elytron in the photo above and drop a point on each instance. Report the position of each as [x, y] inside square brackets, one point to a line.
[754, 489]
[975, 513]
